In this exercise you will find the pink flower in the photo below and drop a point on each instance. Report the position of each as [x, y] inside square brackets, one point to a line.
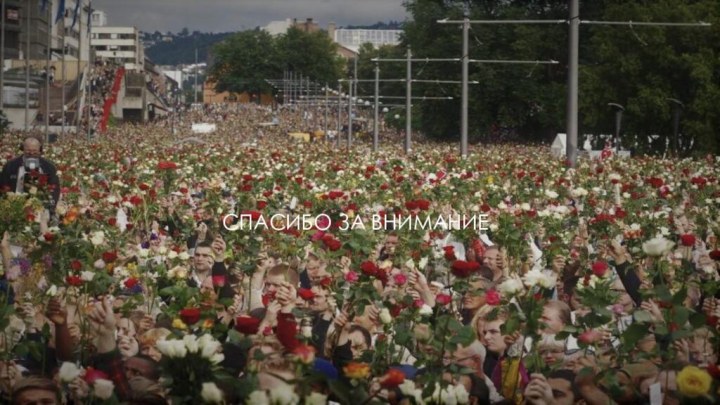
[418, 303]
[443, 299]
[400, 279]
[351, 277]
[589, 337]
[492, 297]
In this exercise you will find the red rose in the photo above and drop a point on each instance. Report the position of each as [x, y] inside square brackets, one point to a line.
[304, 354]
[166, 165]
[261, 204]
[589, 337]
[443, 299]
[306, 294]
[715, 255]
[91, 375]
[687, 239]
[449, 253]
[268, 297]
[247, 325]
[74, 281]
[411, 205]
[109, 257]
[190, 315]
[392, 378]
[326, 282]
[218, 281]
[492, 297]
[131, 282]
[49, 236]
[714, 371]
[400, 279]
[254, 215]
[463, 269]
[599, 268]
[369, 268]
[112, 221]
[76, 265]
[423, 204]
[144, 186]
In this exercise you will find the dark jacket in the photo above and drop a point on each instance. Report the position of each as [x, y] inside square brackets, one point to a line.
[9, 177]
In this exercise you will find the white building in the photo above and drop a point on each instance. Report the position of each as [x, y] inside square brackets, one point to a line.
[99, 18]
[354, 38]
[122, 45]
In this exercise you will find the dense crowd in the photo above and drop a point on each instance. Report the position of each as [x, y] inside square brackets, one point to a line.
[596, 284]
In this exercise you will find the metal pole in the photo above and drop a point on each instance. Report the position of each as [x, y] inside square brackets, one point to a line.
[377, 106]
[572, 101]
[408, 106]
[90, 57]
[300, 93]
[339, 118]
[28, 7]
[78, 108]
[47, 75]
[325, 123]
[2, 58]
[195, 89]
[350, 117]
[465, 63]
[63, 74]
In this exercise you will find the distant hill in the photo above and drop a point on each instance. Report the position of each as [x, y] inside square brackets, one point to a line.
[391, 25]
[177, 49]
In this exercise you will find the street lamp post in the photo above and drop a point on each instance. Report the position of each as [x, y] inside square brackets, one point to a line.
[677, 110]
[618, 121]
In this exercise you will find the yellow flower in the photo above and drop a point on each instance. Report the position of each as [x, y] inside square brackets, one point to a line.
[490, 179]
[357, 371]
[693, 381]
[179, 324]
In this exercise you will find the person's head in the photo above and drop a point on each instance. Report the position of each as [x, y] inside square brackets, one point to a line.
[204, 257]
[564, 389]
[32, 147]
[493, 259]
[391, 243]
[555, 316]
[126, 327]
[142, 366]
[471, 356]
[277, 275]
[316, 269]
[551, 350]
[624, 298]
[149, 339]
[359, 340]
[319, 303]
[35, 391]
[474, 297]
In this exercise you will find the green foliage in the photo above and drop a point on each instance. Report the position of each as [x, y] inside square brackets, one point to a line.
[246, 59]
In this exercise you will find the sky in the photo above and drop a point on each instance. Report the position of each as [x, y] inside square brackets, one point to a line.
[238, 15]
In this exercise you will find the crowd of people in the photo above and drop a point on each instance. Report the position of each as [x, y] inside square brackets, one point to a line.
[171, 271]
[99, 84]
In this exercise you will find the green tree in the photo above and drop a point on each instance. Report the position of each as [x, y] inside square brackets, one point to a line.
[313, 55]
[244, 61]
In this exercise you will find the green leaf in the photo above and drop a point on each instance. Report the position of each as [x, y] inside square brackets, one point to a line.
[633, 334]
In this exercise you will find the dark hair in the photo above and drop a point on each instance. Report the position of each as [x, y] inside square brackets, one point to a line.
[569, 376]
[363, 331]
[33, 383]
[154, 370]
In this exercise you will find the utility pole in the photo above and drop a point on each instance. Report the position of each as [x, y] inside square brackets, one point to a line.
[377, 94]
[572, 100]
[48, 14]
[408, 105]
[195, 89]
[28, 7]
[2, 58]
[465, 64]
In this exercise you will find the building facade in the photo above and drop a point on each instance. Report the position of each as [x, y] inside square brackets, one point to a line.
[120, 45]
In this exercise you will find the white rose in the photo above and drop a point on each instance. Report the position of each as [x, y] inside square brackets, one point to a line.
[525, 207]
[217, 358]
[172, 255]
[551, 194]
[103, 388]
[425, 310]
[284, 395]
[191, 343]
[183, 256]
[211, 393]
[463, 397]
[144, 253]
[69, 372]
[407, 387]
[172, 348]
[423, 263]
[316, 398]
[258, 398]
[510, 287]
[537, 277]
[97, 238]
[162, 250]
[208, 345]
[87, 275]
[52, 291]
[502, 205]
[99, 264]
[385, 316]
[657, 246]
